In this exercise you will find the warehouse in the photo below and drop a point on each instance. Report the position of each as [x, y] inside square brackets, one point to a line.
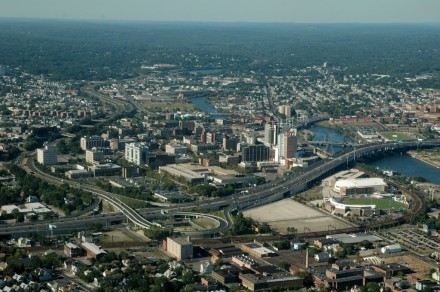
[360, 186]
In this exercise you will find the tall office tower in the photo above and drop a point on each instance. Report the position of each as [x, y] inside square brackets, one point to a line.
[280, 146]
[271, 134]
[136, 153]
[290, 142]
[47, 155]
[254, 153]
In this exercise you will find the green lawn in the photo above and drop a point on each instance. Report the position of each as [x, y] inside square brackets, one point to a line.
[380, 203]
[397, 136]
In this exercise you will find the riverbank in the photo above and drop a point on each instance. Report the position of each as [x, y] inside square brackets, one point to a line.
[337, 128]
[306, 134]
[429, 157]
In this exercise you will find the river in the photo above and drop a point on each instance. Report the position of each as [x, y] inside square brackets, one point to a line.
[333, 136]
[404, 164]
[206, 107]
[409, 166]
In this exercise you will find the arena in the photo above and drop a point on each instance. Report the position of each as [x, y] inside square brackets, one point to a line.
[360, 186]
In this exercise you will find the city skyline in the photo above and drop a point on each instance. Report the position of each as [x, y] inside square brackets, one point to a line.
[291, 11]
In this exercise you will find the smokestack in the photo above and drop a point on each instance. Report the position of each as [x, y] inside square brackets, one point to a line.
[307, 258]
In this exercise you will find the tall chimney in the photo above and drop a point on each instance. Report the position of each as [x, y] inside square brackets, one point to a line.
[307, 258]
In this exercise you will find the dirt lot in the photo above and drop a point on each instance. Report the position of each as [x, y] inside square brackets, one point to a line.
[288, 213]
[121, 235]
[419, 267]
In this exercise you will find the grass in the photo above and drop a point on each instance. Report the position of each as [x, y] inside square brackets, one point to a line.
[397, 136]
[380, 203]
[218, 214]
[310, 195]
[205, 223]
[133, 203]
[118, 236]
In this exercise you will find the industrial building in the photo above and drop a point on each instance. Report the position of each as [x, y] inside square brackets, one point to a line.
[72, 250]
[105, 169]
[92, 250]
[392, 248]
[185, 172]
[344, 275]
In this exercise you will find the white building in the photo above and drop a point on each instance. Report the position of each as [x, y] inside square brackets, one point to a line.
[136, 153]
[360, 186]
[392, 248]
[47, 155]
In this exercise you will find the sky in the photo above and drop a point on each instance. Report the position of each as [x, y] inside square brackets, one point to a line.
[295, 11]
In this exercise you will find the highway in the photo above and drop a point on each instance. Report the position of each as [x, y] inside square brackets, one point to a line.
[257, 196]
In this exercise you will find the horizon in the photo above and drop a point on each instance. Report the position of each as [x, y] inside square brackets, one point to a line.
[121, 21]
[253, 11]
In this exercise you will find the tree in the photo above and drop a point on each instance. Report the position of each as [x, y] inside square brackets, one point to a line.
[158, 233]
[284, 265]
[285, 244]
[371, 287]
[242, 225]
[51, 260]
[62, 147]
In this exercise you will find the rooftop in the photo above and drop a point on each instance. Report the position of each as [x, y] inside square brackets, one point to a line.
[360, 182]
[93, 248]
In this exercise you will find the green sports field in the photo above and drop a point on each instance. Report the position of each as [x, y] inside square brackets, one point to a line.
[397, 136]
[380, 203]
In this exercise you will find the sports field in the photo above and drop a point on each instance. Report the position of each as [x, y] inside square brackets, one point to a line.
[397, 136]
[380, 203]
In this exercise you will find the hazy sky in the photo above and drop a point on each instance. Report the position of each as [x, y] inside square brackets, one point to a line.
[366, 11]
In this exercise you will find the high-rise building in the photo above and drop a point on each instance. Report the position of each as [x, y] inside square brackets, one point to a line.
[248, 137]
[254, 153]
[47, 155]
[286, 110]
[94, 154]
[290, 144]
[136, 153]
[230, 143]
[180, 247]
[91, 141]
[269, 132]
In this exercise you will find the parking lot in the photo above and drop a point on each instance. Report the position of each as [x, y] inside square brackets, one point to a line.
[414, 239]
[288, 213]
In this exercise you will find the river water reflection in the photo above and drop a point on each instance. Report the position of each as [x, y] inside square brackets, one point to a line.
[404, 164]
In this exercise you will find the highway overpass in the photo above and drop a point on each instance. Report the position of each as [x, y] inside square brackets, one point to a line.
[257, 196]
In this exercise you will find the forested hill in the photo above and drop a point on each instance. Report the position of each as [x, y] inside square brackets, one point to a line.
[102, 50]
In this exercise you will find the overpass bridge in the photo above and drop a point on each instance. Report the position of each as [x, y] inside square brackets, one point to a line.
[325, 143]
[300, 181]
[256, 196]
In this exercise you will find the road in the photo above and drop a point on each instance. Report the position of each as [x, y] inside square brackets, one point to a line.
[252, 197]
